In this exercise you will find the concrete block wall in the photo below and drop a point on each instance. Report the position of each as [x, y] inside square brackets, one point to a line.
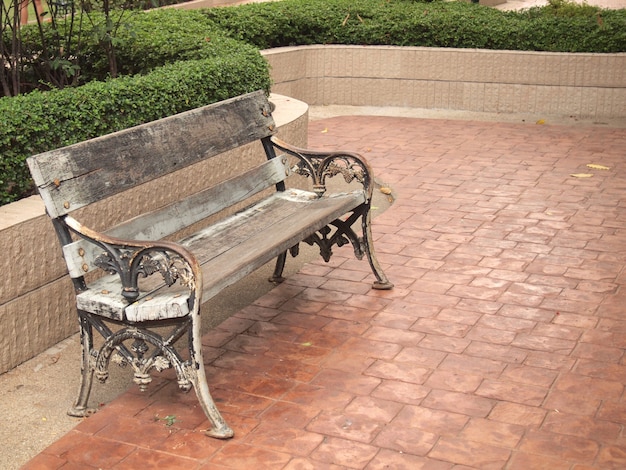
[543, 83]
[37, 304]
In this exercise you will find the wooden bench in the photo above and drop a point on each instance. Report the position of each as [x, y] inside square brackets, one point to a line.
[132, 279]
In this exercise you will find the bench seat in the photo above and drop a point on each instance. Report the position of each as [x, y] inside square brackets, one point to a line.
[226, 252]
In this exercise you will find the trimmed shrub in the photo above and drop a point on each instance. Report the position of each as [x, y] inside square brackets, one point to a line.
[437, 24]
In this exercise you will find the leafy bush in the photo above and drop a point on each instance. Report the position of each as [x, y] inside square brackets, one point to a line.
[437, 24]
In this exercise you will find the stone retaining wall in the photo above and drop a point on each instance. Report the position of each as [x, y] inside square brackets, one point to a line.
[590, 86]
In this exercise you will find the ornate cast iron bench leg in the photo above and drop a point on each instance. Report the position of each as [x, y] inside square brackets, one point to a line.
[80, 408]
[381, 283]
[190, 373]
[197, 374]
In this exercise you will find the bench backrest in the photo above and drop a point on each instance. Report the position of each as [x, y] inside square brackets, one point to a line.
[87, 172]
[78, 175]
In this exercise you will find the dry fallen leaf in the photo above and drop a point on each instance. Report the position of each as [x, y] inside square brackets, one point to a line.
[325, 130]
[582, 175]
[385, 190]
[595, 166]
[541, 121]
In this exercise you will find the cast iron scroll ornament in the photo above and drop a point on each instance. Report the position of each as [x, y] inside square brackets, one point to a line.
[132, 265]
[319, 166]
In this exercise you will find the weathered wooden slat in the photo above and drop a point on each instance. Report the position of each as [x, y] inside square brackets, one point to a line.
[77, 175]
[277, 238]
[166, 221]
[298, 213]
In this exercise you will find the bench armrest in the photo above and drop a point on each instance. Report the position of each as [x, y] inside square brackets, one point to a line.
[132, 259]
[319, 165]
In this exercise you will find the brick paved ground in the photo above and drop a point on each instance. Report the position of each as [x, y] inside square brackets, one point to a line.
[502, 345]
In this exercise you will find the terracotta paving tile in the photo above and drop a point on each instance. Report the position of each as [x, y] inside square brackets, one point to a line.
[191, 444]
[613, 411]
[566, 448]
[511, 391]
[597, 352]
[493, 432]
[601, 370]
[387, 459]
[338, 360]
[432, 299]
[549, 360]
[352, 426]
[515, 413]
[356, 346]
[150, 458]
[444, 343]
[344, 453]
[544, 343]
[458, 315]
[421, 356]
[455, 402]
[393, 320]
[81, 449]
[393, 335]
[292, 440]
[187, 413]
[582, 426]
[343, 380]
[528, 313]
[506, 323]
[470, 453]
[491, 335]
[472, 365]
[612, 457]
[242, 456]
[398, 371]
[406, 440]
[603, 389]
[480, 306]
[453, 381]
[438, 327]
[316, 396]
[527, 461]
[521, 299]
[45, 461]
[401, 392]
[438, 422]
[154, 428]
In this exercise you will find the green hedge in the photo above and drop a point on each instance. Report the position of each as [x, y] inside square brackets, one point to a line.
[201, 68]
[561, 27]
